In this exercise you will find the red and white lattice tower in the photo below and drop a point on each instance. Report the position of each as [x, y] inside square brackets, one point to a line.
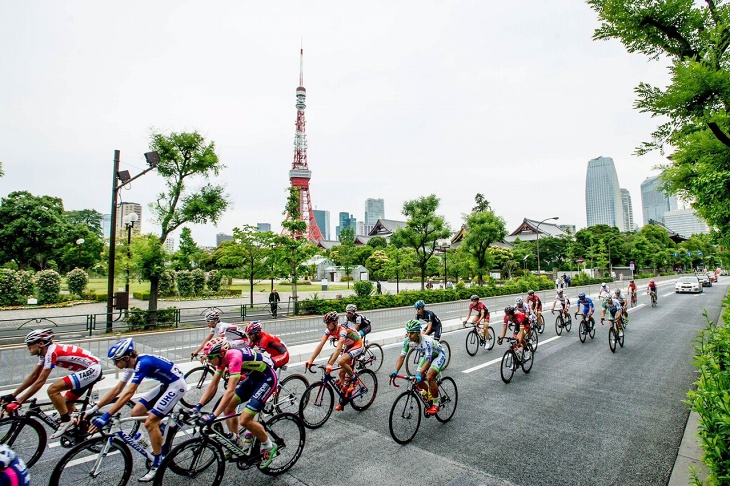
[300, 174]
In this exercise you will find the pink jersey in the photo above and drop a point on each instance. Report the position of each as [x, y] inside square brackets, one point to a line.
[67, 356]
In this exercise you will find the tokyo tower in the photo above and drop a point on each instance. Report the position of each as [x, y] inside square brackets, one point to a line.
[300, 174]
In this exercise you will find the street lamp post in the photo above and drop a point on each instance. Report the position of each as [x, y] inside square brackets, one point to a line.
[119, 180]
[537, 230]
[129, 221]
[79, 242]
[271, 256]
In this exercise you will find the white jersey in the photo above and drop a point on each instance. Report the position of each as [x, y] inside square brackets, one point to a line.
[234, 334]
[604, 291]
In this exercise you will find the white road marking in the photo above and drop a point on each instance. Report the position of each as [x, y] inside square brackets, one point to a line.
[637, 307]
[497, 360]
[667, 295]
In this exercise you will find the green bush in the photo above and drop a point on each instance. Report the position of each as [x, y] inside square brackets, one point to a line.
[48, 283]
[139, 319]
[8, 287]
[141, 295]
[167, 283]
[77, 280]
[214, 280]
[363, 288]
[346, 278]
[198, 276]
[184, 283]
[24, 285]
[710, 398]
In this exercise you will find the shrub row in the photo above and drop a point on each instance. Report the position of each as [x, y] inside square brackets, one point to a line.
[188, 283]
[139, 319]
[710, 398]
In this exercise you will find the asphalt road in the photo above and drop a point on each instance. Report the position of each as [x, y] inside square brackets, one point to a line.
[583, 415]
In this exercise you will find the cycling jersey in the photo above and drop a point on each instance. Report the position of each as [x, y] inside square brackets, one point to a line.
[160, 400]
[587, 305]
[244, 360]
[524, 309]
[612, 307]
[16, 474]
[352, 338]
[479, 307]
[234, 334]
[359, 323]
[534, 302]
[275, 347]
[260, 381]
[518, 319]
[429, 316]
[652, 287]
[564, 302]
[431, 349]
[67, 356]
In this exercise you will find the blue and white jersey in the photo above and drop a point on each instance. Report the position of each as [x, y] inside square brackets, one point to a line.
[587, 304]
[428, 346]
[154, 367]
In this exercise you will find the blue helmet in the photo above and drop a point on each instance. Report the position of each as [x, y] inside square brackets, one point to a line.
[581, 296]
[419, 304]
[120, 349]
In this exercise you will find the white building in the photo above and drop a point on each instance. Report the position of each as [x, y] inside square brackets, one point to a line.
[628, 210]
[603, 194]
[125, 209]
[685, 222]
[654, 201]
[169, 245]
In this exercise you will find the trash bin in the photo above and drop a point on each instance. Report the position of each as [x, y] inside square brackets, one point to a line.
[325, 282]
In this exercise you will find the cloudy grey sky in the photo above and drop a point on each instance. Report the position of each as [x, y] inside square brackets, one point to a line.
[404, 99]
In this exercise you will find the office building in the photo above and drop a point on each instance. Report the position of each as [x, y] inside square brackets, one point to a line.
[628, 210]
[169, 245]
[263, 227]
[125, 209]
[221, 237]
[347, 220]
[374, 210]
[685, 222]
[654, 201]
[568, 228]
[323, 221]
[106, 225]
[603, 194]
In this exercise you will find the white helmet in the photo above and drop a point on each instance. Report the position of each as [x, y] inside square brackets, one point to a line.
[604, 285]
[39, 336]
[212, 316]
[518, 301]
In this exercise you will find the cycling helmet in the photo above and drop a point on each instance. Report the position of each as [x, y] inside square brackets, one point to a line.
[39, 336]
[604, 285]
[330, 317]
[474, 297]
[581, 296]
[650, 281]
[215, 346]
[413, 326]
[419, 304]
[212, 316]
[518, 301]
[7, 456]
[617, 292]
[509, 310]
[608, 298]
[253, 328]
[530, 292]
[560, 291]
[632, 280]
[351, 308]
[120, 349]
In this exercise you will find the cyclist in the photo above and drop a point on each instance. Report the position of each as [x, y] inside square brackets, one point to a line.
[564, 303]
[533, 300]
[13, 471]
[613, 307]
[624, 311]
[516, 319]
[356, 321]
[431, 364]
[268, 343]
[257, 386]
[85, 371]
[604, 291]
[156, 403]
[632, 290]
[587, 306]
[235, 335]
[482, 315]
[652, 290]
[433, 323]
[349, 344]
[520, 306]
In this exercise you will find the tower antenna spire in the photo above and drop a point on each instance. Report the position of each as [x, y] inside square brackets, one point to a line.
[301, 66]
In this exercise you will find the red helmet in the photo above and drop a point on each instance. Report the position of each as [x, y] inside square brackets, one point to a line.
[330, 317]
[651, 281]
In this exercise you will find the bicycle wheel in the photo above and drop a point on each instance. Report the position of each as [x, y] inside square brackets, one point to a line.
[559, 325]
[289, 394]
[540, 323]
[405, 417]
[198, 458]
[472, 342]
[412, 359]
[26, 436]
[491, 339]
[508, 365]
[620, 338]
[592, 331]
[374, 357]
[447, 350]
[653, 300]
[448, 398]
[533, 341]
[287, 432]
[316, 405]
[197, 379]
[367, 388]
[528, 357]
[568, 322]
[582, 331]
[77, 466]
[612, 340]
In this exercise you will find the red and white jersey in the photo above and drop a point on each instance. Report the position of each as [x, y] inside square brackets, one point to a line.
[67, 356]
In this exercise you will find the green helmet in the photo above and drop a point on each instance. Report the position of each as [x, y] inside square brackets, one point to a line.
[413, 326]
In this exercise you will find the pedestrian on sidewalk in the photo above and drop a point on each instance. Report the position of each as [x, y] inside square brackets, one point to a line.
[380, 289]
[274, 300]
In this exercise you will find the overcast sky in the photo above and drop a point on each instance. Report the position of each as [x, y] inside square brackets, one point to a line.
[404, 99]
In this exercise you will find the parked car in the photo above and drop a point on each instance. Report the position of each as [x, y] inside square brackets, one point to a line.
[688, 284]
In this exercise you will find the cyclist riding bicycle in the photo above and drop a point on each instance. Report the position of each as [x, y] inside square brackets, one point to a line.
[624, 311]
[85, 371]
[355, 321]
[615, 310]
[433, 323]
[534, 302]
[632, 289]
[235, 335]
[520, 306]
[517, 319]
[652, 290]
[268, 343]
[563, 302]
[258, 383]
[156, 403]
[431, 363]
[13, 471]
[585, 306]
[604, 291]
[349, 346]
[481, 316]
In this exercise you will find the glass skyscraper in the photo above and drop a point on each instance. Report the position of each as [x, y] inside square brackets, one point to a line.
[323, 221]
[655, 202]
[603, 194]
[374, 210]
[628, 210]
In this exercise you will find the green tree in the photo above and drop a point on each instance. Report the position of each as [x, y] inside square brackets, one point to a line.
[482, 204]
[248, 254]
[184, 157]
[292, 249]
[483, 229]
[694, 37]
[77, 280]
[90, 217]
[344, 254]
[376, 264]
[188, 253]
[422, 231]
[84, 255]
[399, 261]
[2, 174]
[148, 257]
[377, 242]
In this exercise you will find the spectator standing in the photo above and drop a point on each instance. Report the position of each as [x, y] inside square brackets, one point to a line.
[274, 300]
[380, 289]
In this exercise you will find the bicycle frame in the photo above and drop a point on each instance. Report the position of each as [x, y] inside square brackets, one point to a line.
[411, 387]
[332, 382]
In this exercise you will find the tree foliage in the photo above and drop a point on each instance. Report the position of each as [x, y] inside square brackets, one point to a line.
[344, 254]
[188, 253]
[292, 249]
[483, 228]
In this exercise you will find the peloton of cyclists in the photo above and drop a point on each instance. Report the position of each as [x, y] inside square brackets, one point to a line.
[235, 335]
[433, 323]
[85, 371]
[482, 316]
[355, 321]
[430, 365]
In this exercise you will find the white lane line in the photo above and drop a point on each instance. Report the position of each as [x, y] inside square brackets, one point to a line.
[82, 460]
[497, 360]
[637, 307]
[667, 295]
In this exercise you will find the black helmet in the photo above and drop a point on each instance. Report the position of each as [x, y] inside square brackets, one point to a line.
[509, 310]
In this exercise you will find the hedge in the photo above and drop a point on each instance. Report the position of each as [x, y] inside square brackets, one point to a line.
[141, 319]
[711, 398]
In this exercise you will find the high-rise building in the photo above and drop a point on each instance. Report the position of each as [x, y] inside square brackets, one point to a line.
[221, 237]
[347, 220]
[125, 209]
[106, 225]
[263, 227]
[685, 222]
[374, 210]
[628, 210]
[169, 245]
[323, 221]
[654, 201]
[603, 194]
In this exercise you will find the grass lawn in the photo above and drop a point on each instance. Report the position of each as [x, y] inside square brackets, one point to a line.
[99, 285]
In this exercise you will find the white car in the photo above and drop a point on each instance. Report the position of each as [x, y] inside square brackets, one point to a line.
[688, 284]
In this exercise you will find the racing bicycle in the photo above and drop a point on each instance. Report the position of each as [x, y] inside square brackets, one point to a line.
[516, 357]
[414, 356]
[475, 339]
[562, 321]
[587, 327]
[409, 406]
